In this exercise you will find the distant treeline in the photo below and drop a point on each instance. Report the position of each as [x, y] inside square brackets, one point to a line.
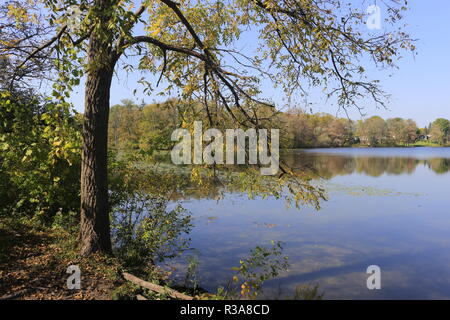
[325, 130]
[149, 127]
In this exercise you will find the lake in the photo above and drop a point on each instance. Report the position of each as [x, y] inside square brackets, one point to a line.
[386, 206]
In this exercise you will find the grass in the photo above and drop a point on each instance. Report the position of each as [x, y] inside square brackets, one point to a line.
[426, 144]
[412, 145]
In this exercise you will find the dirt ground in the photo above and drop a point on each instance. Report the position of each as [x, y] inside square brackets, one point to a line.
[33, 265]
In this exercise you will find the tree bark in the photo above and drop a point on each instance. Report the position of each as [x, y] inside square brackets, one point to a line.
[95, 224]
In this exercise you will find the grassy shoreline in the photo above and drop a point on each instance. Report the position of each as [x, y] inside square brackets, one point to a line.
[361, 146]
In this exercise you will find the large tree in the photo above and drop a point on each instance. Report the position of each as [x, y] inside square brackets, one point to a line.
[440, 131]
[372, 131]
[401, 131]
[196, 47]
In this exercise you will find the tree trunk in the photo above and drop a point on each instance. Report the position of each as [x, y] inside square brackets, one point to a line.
[95, 224]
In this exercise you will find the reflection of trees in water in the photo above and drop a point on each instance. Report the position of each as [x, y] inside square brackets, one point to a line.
[439, 165]
[328, 166]
[210, 190]
[322, 166]
[325, 166]
[376, 166]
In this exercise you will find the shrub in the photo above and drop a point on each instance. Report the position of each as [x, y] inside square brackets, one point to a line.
[40, 158]
[145, 229]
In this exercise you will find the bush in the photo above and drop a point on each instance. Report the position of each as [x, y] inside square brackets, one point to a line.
[144, 229]
[40, 158]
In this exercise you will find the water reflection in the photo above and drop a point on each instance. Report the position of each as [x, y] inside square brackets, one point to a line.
[330, 163]
[403, 227]
[327, 165]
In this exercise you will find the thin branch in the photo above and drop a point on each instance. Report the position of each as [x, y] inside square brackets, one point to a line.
[45, 45]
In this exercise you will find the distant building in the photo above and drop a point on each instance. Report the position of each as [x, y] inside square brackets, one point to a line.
[423, 137]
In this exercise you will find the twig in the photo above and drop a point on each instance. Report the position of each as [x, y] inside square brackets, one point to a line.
[14, 295]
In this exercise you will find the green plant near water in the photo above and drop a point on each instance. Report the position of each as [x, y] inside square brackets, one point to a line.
[262, 264]
[191, 279]
[308, 293]
[145, 228]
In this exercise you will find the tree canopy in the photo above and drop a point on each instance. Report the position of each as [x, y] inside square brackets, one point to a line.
[194, 46]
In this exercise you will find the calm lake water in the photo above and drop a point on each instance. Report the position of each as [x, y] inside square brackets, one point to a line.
[386, 206]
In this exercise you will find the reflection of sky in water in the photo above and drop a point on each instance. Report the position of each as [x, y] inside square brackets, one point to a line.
[399, 222]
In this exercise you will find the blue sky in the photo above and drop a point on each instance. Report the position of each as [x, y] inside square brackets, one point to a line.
[420, 89]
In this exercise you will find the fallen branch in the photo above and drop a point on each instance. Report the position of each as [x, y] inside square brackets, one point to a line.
[14, 295]
[156, 288]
